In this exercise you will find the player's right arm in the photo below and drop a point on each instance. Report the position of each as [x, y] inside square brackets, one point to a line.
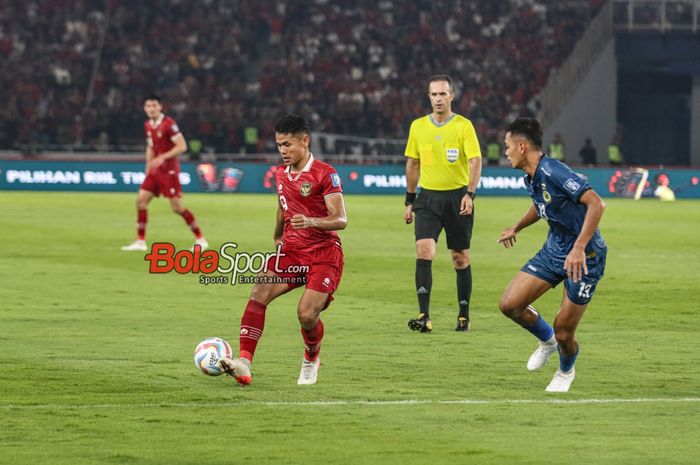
[412, 174]
[279, 226]
[508, 235]
[149, 157]
[336, 220]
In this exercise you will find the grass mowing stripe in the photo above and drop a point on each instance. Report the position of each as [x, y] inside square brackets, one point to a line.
[334, 403]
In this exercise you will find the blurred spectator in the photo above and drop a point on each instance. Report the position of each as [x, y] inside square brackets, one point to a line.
[493, 151]
[588, 153]
[556, 148]
[615, 152]
[194, 148]
[250, 137]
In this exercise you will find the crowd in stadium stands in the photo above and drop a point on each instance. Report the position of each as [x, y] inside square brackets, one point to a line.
[226, 69]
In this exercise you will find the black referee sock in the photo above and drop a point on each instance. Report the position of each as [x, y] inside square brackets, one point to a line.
[424, 282]
[464, 290]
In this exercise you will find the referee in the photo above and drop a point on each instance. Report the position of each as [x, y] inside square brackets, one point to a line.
[442, 151]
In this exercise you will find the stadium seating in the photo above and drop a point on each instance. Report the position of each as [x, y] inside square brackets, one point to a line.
[354, 67]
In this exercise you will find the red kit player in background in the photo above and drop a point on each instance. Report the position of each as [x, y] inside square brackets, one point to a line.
[164, 143]
[310, 211]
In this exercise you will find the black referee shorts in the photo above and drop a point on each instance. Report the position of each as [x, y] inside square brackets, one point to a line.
[438, 210]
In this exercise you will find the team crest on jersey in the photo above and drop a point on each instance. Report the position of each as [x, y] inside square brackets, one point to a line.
[546, 195]
[452, 154]
[305, 189]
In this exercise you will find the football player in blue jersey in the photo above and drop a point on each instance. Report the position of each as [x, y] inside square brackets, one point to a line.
[574, 251]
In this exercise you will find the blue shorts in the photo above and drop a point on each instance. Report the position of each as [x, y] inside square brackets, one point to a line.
[550, 268]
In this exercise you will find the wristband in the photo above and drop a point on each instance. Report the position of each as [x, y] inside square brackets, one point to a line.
[410, 198]
[471, 194]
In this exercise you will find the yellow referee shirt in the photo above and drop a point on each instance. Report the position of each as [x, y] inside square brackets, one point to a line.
[443, 150]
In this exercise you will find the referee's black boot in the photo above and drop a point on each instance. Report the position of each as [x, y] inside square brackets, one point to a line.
[463, 325]
[422, 324]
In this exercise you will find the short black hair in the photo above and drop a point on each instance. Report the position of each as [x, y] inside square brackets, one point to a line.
[151, 97]
[440, 77]
[292, 124]
[529, 128]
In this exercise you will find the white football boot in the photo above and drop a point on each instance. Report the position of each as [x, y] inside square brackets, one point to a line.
[138, 245]
[561, 382]
[540, 356]
[238, 368]
[309, 371]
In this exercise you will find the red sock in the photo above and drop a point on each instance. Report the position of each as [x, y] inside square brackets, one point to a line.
[252, 325]
[141, 224]
[189, 219]
[312, 341]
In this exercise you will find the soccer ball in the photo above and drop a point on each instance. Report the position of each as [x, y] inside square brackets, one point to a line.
[208, 353]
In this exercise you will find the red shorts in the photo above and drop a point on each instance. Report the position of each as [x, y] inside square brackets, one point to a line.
[319, 269]
[165, 183]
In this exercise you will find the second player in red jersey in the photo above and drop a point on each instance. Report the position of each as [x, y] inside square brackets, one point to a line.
[164, 143]
[310, 211]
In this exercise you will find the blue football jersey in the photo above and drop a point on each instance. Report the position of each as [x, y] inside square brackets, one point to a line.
[556, 190]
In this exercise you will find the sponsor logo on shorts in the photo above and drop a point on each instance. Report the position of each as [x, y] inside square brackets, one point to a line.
[532, 268]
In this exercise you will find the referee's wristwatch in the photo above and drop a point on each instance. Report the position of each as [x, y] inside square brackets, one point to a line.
[471, 194]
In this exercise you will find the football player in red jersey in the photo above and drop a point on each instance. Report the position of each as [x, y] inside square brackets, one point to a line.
[310, 211]
[164, 143]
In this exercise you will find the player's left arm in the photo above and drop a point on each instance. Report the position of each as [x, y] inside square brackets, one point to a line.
[472, 150]
[279, 226]
[179, 148]
[467, 205]
[336, 219]
[575, 261]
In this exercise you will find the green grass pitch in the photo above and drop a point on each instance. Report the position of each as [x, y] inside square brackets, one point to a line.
[96, 354]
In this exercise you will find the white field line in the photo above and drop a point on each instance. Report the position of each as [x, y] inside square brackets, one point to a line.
[341, 403]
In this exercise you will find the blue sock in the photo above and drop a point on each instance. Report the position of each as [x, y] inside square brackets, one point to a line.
[541, 329]
[566, 362]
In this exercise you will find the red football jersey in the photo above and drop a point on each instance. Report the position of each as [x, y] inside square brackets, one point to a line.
[159, 136]
[304, 193]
